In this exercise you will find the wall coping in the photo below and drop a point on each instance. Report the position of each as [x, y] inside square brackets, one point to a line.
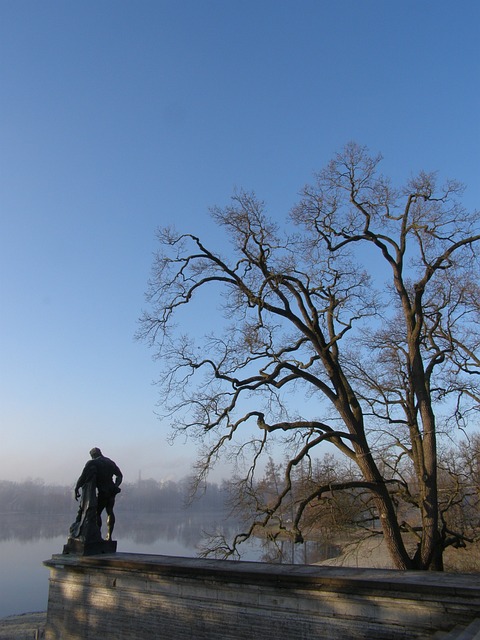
[341, 579]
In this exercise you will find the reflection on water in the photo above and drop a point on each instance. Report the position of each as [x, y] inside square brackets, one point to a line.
[23, 578]
[287, 552]
[146, 529]
[187, 528]
[27, 528]
[26, 541]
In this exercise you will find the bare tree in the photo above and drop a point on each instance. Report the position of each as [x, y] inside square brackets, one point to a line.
[356, 326]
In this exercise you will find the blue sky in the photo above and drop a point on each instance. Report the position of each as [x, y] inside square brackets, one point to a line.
[117, 117]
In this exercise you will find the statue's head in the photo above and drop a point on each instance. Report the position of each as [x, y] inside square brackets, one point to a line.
[95, 452]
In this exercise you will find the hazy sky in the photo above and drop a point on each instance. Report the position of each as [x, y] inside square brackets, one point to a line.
[117, 117]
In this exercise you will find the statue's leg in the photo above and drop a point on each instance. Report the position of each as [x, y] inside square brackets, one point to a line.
[110, 519]
[101, 504]
[110, 525]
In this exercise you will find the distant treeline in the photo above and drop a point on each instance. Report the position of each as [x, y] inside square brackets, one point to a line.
[145, 496]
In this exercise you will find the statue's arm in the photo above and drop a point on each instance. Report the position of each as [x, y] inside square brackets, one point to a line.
[83, 479]
[118, 476]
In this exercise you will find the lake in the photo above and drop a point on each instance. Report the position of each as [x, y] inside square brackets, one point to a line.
[26, 541]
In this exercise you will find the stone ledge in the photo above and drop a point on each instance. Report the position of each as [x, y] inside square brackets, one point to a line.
[23, 626]
[131, 596]
[339, 578]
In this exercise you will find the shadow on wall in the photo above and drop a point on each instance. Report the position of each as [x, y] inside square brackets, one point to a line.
[133, 596]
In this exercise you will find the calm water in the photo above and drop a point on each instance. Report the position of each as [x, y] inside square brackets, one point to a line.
[25, 542]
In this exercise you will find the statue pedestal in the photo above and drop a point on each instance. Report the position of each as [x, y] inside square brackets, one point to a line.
[78, 547]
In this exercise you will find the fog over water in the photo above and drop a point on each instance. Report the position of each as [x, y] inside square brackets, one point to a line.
[35, 520]
[150, 518]
[27, 541]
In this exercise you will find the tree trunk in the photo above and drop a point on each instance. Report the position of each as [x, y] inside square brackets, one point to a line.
[392, 534]
[429, 553]
[386, 510]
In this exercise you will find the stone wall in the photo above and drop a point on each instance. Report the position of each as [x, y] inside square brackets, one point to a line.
[131, 596]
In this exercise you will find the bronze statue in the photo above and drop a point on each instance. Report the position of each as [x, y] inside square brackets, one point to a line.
[98, 493]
